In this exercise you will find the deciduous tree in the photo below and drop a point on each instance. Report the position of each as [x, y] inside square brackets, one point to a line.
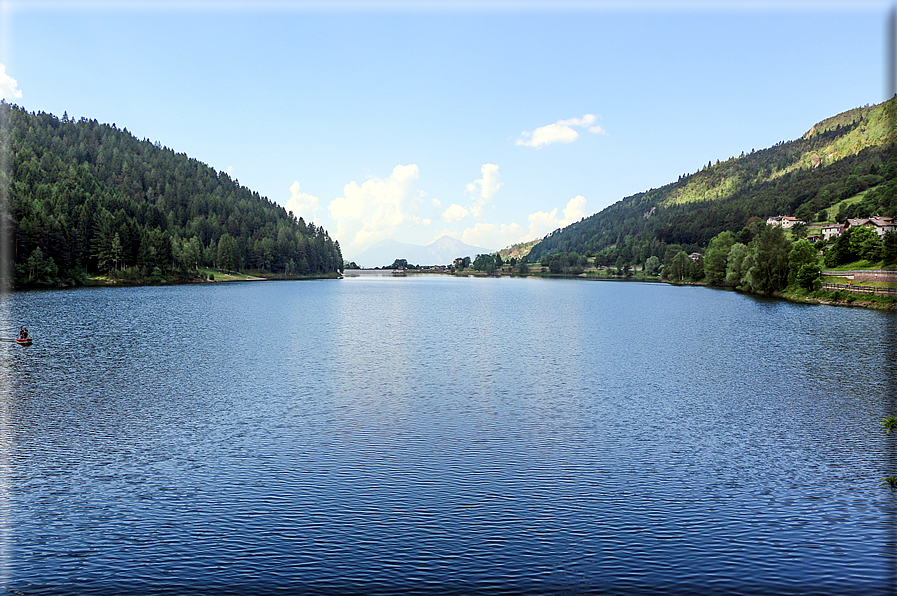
[770, 271]
[802, 253]
[715, 261]
[734, 264]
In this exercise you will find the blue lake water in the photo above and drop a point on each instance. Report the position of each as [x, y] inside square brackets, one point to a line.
[441, 435]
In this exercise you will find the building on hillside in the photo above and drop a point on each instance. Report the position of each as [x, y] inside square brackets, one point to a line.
[831, 231]
[786, 221]
[881, 225]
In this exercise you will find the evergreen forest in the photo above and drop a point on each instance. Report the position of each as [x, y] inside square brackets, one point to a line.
[84, 198]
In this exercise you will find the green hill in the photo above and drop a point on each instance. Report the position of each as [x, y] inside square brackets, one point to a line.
[86, 198]
[835, 160]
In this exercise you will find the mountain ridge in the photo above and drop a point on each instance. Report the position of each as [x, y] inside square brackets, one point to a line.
[86, 199]
[837, 158]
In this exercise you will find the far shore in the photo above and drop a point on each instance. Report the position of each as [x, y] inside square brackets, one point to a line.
[827, 298]
[205, 276]
[211, 276]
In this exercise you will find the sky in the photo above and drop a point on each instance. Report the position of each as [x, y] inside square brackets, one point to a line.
[493, 122]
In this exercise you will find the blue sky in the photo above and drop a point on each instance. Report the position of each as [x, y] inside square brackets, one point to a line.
[409, 120]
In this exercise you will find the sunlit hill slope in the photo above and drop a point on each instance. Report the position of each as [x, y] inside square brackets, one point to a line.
[837, 158]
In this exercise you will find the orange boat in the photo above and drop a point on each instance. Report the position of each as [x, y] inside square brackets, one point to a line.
[26, 341]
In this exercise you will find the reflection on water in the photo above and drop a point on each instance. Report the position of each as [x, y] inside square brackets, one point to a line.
[384, 435]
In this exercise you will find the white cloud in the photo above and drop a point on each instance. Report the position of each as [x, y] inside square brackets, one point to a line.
[575, 210]
[560, 132]
[8, 85]
[541, 223]
[377, 208]
[493, 236]
[498, 236]
[301, 204]
[546, 135]
[455, 213]
[483, 190]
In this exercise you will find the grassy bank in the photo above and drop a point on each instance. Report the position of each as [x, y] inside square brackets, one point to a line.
[128, 278]
[538, 271]
[839, 298]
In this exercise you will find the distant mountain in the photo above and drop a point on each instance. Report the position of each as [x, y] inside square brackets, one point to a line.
[440, 252]
[838, 159]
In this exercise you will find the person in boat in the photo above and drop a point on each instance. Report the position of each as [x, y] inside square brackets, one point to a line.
[23, 332]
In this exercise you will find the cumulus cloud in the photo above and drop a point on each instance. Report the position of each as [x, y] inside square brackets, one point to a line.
[483, 190]
[575, 209]
[560, 132]
[541, 223]
[455, 212]
[493, 236]
[8, 85]
[377, 208]
[301, 204]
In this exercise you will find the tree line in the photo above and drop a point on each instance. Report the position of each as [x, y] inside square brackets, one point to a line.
[86, 198]
[762, 259]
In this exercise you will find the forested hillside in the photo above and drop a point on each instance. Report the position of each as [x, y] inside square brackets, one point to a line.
[90, 198]
[837, 159]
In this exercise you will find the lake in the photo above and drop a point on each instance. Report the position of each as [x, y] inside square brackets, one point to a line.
[431, 434]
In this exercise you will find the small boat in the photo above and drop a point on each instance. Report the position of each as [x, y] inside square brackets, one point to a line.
[23, 341]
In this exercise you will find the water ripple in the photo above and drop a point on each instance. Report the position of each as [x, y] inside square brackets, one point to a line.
[433, 435]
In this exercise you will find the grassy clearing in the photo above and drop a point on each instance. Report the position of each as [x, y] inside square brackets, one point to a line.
[840, 298]
[218, 275]
[863, 284]
[135, 277]
[833, 210]
[861, 265]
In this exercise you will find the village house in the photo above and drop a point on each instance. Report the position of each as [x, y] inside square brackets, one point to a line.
[832, 230]
[881, 225]
[786, 221]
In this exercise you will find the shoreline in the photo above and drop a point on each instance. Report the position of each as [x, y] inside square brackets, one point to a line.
[850, 302]
[804, 299]
[223, 277]
[219, 277]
